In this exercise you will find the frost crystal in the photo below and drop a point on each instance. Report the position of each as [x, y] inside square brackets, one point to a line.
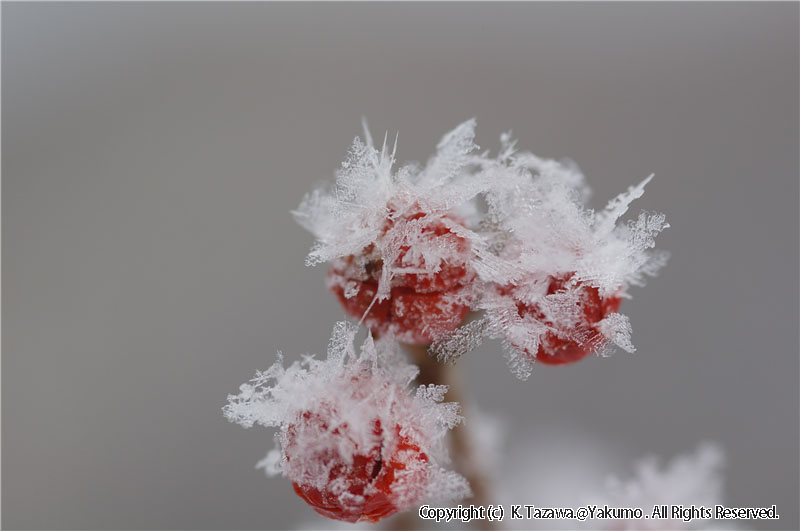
[411, 251]
[370, 207]
[691, 480]
[356, 443]
[564, 268]
[399, 244]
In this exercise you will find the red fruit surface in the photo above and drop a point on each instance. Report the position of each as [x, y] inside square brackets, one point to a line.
[557, 349]
[420, 317]
[369, 481]
[421, 305]
[379, 316]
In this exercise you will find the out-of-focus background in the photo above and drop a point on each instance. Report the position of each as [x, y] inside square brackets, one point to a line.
[152, 153]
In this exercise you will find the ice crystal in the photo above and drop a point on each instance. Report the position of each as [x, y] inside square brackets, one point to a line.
[564, 267]
[355, 441]
[352, 215]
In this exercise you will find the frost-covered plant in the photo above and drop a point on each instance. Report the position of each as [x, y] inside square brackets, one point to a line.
[355, 442]
[413, 250]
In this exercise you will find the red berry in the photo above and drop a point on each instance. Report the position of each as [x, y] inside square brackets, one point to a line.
[418, 318]
[367, 489]
[421, 306]
[562, 346]
[361, 296]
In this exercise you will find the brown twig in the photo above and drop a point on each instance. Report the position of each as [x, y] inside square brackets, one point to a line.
[461, 442]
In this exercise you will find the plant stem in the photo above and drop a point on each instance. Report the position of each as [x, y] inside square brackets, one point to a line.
[461, 442]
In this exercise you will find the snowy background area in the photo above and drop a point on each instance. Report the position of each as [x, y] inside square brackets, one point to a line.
[151, 157]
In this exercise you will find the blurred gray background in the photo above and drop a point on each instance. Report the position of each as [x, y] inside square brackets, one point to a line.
[151, 155]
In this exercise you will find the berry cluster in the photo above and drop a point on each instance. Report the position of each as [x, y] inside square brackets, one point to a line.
[412, 251]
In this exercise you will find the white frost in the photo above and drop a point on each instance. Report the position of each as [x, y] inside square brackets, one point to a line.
[526, 221]
[326, 412]
[693, 479]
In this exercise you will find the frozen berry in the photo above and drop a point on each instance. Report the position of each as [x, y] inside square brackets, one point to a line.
[368, 485]
[562, 345]
[355, 441]
[424, 302]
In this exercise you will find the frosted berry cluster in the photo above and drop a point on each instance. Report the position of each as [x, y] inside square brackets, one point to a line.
[412, 251]
[356, 443]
